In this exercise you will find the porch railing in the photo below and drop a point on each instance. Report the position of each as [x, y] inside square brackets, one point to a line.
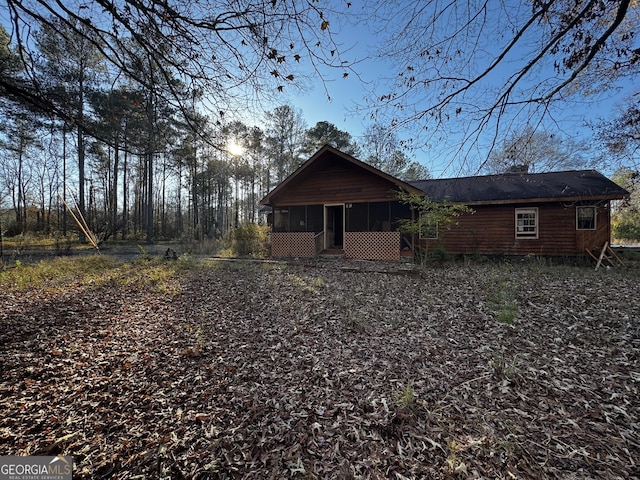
[365, 245]
[372, 245]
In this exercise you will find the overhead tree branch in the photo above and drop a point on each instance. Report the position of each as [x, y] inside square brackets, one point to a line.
[472, 71]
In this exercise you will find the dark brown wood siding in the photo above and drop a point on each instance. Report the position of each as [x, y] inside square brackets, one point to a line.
[490, 230]
[331, 180]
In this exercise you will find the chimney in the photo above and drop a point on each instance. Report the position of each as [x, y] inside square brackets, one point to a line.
[519, 168]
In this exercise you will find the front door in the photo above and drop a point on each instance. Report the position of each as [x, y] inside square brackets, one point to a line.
[334, 227]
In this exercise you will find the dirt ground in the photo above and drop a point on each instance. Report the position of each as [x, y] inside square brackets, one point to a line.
[329, 370]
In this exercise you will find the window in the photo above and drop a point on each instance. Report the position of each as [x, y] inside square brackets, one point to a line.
[585, 218]
[526, 223]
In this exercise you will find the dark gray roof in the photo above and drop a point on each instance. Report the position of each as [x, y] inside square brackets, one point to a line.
[511, 187]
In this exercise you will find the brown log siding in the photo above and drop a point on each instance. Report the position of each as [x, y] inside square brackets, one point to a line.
[490, 230]
[332, 181]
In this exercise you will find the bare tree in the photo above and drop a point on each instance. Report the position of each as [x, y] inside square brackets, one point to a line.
[536, 151]
[16, 165]
[231, 50]
[476, 70]
[621, 135]
[382, 149]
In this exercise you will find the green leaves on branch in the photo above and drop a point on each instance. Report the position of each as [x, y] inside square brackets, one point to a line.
[429, 215]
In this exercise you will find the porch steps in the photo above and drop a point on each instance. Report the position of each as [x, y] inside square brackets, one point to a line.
[331, 254]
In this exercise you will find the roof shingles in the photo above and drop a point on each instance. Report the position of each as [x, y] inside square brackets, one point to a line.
[569, 185]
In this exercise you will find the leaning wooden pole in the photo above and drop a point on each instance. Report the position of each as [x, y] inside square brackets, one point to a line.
[602, 254]
[81, 222]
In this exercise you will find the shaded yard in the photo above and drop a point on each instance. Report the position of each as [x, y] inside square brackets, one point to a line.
[267, 370]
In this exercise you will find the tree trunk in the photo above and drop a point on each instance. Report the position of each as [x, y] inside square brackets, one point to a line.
[81, 175]
[64, 179]
[20, 214]
[149, 212]
[179, 200]
[114, 188]
[194, 200]
[125, 195]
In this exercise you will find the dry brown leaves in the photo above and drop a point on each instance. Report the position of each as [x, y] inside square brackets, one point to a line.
[317, 371]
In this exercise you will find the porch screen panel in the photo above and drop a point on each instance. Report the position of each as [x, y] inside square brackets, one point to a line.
[315, 218]
[298, 219]
[281, 219]
[357, 217]
[379, 217]
[399, 211]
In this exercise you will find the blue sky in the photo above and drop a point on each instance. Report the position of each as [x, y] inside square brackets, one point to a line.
[567, 119]
[337, 99]
[359, 42]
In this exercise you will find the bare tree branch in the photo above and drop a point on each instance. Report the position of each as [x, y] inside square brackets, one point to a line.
[232, 51]
[470, 72]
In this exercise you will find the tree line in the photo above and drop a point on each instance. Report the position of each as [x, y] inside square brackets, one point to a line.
[103, 102]
[136, 165]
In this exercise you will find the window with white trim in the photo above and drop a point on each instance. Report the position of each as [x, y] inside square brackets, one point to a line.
[526, 223]
[586, 218]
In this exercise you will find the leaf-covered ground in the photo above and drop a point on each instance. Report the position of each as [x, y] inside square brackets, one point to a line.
[327, 370]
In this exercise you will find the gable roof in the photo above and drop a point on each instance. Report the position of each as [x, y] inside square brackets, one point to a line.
[566, 186]
[321, 154]
[573, 185]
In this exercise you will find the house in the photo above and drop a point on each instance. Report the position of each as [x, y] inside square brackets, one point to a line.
[337, 204]
[555, 213]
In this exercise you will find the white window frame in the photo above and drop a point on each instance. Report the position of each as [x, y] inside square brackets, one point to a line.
[524, 227]
[595, 217]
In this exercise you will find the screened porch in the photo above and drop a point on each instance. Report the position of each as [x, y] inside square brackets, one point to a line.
[368, 230]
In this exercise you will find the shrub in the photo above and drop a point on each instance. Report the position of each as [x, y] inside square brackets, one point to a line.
[626, 231]
[250, 240]
[440, 254]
